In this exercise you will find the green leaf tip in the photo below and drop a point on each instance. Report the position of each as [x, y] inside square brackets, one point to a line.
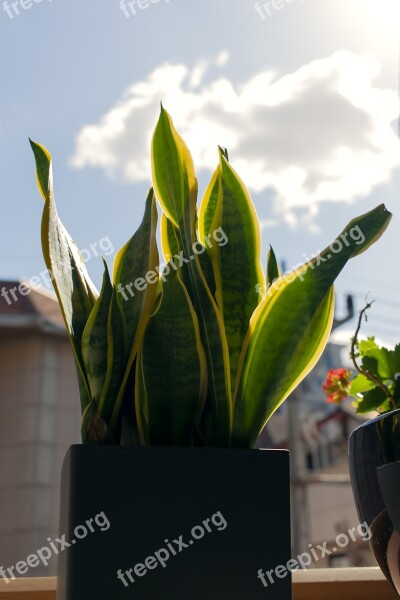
[223, 153]
[44, 176]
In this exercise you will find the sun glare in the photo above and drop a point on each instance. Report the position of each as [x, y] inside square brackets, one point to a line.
[382, 17]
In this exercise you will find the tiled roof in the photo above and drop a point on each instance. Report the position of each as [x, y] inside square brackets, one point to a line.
[37, 303]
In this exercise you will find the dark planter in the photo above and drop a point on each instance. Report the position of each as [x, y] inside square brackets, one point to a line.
[366, 454]
[389, 482]
[375, 479]
[184, 523]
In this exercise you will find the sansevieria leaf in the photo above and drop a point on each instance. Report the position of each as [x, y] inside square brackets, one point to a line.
[94, 339]
[171, 370]
[104, 351]
[135, 279]
[174, 177]
[172, 248]
[93, 427]
[75, 291]
[175, 186]
[209, 204]
[116, 357]
[273, 271]
[290, 328]
[135, 271]
[171, 242]
[227, 208]
[203, 348]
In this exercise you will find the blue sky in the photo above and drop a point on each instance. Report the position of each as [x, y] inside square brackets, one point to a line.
[304, 95]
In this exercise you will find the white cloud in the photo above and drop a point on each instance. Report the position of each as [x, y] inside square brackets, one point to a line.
[321, 133]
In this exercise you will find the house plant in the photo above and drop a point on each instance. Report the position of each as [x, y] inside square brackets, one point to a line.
[179, 368]
[374, 447]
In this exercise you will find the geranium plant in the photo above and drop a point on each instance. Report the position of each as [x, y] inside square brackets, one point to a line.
[375, 384]
[190, 353]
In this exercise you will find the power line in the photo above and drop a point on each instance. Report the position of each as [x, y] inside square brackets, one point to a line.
[383, 319]
[379, 299]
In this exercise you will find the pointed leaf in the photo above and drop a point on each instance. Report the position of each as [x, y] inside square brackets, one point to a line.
[136, 279]
[135, 273]
[273, 271]
[172, 248]
[208, 205]
[174, 178]
[290, 328]
[74, 289]
[116, 358]
[175, 185]
[236, 262]
[94, 340]
[94, 429]
[168, 406]
[170, 239]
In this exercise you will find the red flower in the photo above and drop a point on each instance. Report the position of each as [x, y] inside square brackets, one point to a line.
[336, 385]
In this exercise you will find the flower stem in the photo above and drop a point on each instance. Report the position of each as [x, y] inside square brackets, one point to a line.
[368, 374]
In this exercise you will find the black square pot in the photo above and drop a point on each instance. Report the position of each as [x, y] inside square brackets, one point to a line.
[174, 523]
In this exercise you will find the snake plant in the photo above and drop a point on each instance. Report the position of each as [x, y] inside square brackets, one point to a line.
[203, 348]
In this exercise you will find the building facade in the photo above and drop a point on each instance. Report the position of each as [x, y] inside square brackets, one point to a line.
[39, 419]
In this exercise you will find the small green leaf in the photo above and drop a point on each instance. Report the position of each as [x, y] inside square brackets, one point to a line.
[371, 400]
[273, 271]
[364, 346]
[387, 361]
[370, 364]
[386, 406]
[360, 384]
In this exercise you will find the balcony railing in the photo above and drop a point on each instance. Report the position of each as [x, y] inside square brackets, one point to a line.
[315, 584]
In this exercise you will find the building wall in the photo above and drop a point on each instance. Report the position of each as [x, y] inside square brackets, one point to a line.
[333, 511]
[324, 510]
[333, 514]
[39, 419]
